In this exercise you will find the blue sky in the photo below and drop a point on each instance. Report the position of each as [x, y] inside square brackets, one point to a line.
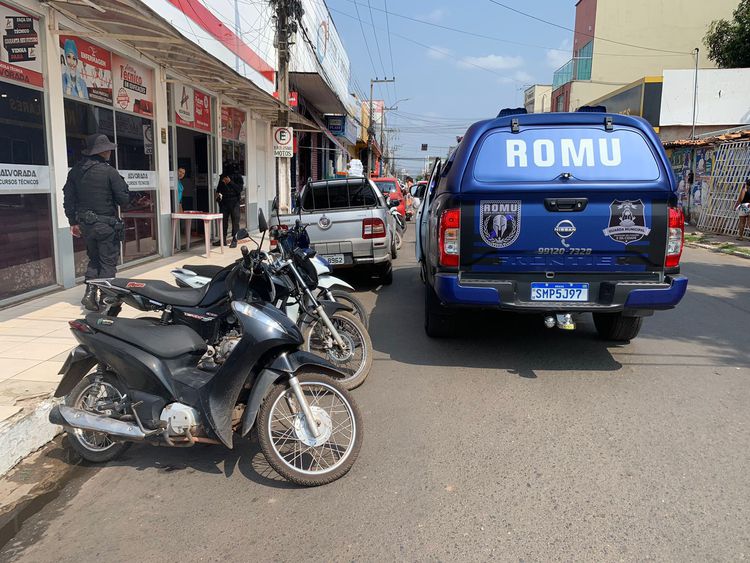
[451, 79]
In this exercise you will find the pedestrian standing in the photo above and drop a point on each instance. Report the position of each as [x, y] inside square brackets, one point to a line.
[407, 193]
[180, 188]
[229, 196]
[743, 209]
[91, 195]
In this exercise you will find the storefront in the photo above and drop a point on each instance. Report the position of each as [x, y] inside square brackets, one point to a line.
[27, 257]
[234, 150]
[110, 94]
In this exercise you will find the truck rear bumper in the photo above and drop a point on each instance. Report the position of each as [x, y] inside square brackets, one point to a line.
[628, 296]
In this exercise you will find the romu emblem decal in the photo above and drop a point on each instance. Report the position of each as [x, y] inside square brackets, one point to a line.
[627, 221]
[500, 222]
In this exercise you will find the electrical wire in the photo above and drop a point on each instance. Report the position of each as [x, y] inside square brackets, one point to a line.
[364, 36]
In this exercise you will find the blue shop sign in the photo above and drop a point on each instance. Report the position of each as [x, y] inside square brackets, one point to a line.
[342, 126]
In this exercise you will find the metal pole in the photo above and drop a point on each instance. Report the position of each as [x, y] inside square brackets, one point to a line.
[370, 131]
[695, 92]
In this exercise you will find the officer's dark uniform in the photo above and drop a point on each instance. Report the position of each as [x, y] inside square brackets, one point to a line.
[91, 195]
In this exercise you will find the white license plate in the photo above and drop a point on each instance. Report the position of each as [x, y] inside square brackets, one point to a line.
[546, 291]
[334, 258]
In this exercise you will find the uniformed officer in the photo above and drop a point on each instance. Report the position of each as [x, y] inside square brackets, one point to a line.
[91, 195]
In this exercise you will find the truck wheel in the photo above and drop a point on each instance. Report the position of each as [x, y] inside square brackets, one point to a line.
[437, 321]
[616, 327]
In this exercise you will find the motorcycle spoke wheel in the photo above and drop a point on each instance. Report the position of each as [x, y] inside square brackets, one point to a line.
[289, 445]
[355, 359]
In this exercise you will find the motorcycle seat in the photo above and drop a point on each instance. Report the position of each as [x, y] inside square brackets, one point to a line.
[163, 292]
[163, 341]
[204, 270]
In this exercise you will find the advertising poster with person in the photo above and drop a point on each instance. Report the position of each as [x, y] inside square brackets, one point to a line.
[192, 107]
[20, 59]
[133, 86]
[86, 70]
[233, 124]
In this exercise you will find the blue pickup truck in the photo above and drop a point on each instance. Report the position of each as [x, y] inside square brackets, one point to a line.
[557, 214]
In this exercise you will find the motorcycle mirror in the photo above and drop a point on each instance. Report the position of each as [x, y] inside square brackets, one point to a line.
[262, 224]
[275, 204]
[242, 234]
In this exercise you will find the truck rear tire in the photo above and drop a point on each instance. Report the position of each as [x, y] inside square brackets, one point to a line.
[437, 321]
[386, 274]
[616, 327]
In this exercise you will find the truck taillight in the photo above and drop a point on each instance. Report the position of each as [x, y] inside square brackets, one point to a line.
[676, 237]
[373, 228]
[450, 225]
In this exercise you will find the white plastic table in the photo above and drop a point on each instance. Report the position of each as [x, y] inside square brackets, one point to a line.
[206, 218]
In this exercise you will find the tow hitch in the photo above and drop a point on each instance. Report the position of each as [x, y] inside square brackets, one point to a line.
[563, 321]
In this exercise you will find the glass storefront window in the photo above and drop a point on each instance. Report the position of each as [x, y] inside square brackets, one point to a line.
[26, 240]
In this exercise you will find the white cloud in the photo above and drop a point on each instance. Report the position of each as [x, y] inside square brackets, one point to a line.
[439, 53]
[518, 76]
[558, 57]
[491, 62]
[435, 15]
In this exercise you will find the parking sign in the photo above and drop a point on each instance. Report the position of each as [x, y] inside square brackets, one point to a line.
[282, 142]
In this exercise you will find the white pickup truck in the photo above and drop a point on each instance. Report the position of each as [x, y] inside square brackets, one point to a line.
[348, 223]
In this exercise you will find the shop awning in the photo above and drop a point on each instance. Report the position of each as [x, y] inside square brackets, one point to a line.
[134, 23]
[315, 91]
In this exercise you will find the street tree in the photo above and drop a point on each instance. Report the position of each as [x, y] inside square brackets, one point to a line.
[728, 42]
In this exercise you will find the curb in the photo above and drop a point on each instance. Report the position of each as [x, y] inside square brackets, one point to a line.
[717, 249]
[25, 433]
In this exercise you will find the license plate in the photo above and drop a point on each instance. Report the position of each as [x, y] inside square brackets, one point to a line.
[546, 291]
[334, 258]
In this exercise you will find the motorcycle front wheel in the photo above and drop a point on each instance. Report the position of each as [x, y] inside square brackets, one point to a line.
[347, 298]
[287, 442]
[355, 360]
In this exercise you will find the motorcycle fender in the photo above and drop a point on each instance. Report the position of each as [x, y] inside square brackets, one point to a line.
[285, 364]
[79, 363]
[328, 282]
[330, 307]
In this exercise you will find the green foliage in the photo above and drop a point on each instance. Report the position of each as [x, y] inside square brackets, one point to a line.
[728, 42]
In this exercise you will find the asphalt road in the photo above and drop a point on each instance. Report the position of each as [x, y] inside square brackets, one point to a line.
[511, 442]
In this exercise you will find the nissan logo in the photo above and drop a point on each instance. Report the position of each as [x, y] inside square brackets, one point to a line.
[324, 223]
[565, 229]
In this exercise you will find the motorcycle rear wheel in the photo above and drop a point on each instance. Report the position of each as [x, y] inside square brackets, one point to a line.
[358, 361]
[286, 441]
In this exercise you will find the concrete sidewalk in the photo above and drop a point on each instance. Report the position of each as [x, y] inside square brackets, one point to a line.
[35, 341]
[717, 243]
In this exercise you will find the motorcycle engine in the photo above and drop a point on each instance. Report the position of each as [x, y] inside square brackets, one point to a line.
[179, 418]
[226, 345]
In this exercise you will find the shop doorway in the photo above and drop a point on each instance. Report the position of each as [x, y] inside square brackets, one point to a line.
[194, 156]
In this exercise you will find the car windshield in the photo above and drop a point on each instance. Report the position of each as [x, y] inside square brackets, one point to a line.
[386, 187]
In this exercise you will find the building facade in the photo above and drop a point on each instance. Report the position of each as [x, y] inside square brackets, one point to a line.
[538, 98]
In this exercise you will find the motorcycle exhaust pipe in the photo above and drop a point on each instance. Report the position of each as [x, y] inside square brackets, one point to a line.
[83, 420]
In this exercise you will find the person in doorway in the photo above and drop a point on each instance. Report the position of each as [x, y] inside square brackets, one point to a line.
[743, 209]
[91, 195]
[229, 195]
[180, 188]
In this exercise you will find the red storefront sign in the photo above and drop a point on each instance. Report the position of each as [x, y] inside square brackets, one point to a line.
[233, 124]
[20, 59]
[192, 107]
[134, 86]
[202, 111]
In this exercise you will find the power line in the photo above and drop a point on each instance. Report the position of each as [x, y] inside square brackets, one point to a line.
[390, 47]
[533, 17]
[364, 36]
[375, 35]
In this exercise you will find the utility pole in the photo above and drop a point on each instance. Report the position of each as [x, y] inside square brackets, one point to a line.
[371, 126]
[288, 13]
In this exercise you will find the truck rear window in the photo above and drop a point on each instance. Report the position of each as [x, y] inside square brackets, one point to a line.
[588, 154]
[338, 195]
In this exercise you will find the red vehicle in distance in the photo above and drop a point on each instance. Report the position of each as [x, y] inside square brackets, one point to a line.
[391, 188]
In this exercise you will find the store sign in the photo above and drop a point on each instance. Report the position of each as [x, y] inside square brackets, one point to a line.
[283, 143]
[25, 177]
[134, 86]
[336, 124]
[233, 124]
[192, 107]
[139, 180]
[20, 59]
[86, 70]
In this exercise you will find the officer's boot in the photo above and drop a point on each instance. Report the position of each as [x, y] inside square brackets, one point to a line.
[89, 300]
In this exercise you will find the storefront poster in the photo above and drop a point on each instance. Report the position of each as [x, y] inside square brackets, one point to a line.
[139, 180]
[26, 177]
[86, 70]
[133, 86]
[192, 107]
[202, 111]
[20, 59]
[233, 124]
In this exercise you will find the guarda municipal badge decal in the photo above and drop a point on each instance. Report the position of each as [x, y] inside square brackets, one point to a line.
[500, 222]
[627, 221]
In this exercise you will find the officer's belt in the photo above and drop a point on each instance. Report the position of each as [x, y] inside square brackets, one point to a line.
[89, 218]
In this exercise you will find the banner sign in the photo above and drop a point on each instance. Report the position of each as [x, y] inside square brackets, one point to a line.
[192, 107]
[20, 59]
[139, 180]
[24, 177]
[134, 86]
[86, 70]
[233, 124]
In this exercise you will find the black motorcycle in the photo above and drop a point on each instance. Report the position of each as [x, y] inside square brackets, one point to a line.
[135, 381]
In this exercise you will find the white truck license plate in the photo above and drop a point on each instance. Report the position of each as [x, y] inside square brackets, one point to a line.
[334, 258]
[548, 291]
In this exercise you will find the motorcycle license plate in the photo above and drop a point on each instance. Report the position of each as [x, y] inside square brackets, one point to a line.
[546, 291]
[334, 258]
